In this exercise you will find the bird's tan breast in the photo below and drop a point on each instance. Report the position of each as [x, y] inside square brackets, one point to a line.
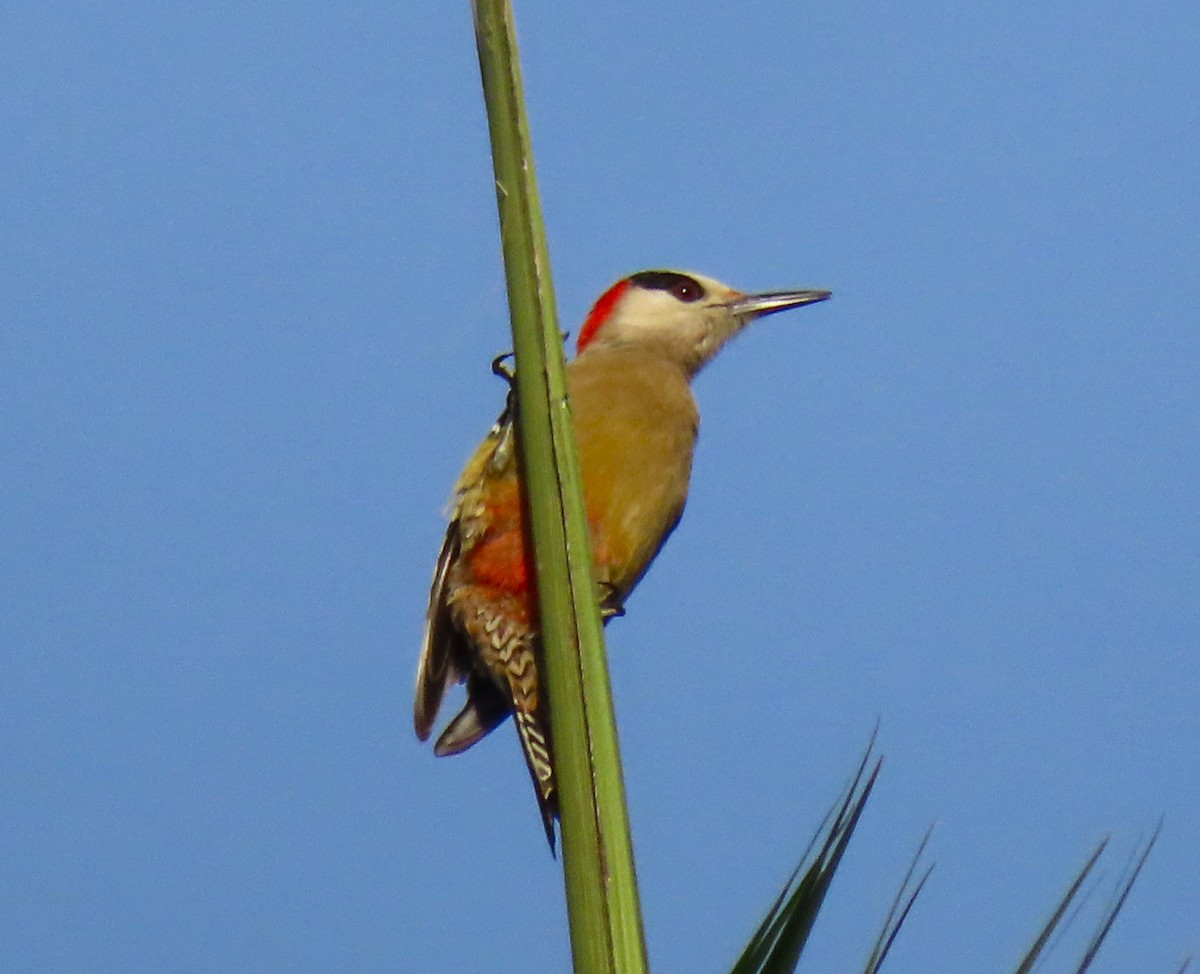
[636, 422]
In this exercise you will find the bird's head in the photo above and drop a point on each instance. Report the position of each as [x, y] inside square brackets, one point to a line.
[687, 317]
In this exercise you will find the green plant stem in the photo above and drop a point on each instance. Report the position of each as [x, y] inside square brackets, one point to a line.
[601, 885]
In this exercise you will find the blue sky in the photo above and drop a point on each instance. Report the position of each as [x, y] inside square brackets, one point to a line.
[249, 290]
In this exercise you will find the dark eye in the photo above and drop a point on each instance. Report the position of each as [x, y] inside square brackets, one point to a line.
[679, 286]
[688, 290]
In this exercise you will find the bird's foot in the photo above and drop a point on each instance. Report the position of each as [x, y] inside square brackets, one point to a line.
[501, 369]
[611, 607]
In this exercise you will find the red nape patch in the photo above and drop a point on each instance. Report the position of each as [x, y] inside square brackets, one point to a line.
[599, 314]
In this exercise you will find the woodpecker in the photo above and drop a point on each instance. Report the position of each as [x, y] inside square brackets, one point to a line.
[636, 422]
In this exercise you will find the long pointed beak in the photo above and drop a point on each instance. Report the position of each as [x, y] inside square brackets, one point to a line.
[757, 305]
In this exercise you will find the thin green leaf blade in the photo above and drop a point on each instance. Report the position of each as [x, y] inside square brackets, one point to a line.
[1110, 915]
[602, 901]
[777, 943]
[902, 904]
[1044, 935]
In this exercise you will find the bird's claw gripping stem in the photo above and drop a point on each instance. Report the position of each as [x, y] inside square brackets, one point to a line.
[611, 606]
[500, 369]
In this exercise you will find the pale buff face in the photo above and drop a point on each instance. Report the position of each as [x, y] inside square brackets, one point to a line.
[685, 318]
[687, 326]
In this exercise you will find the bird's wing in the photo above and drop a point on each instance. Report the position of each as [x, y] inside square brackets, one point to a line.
[444, 661]
[437, 670]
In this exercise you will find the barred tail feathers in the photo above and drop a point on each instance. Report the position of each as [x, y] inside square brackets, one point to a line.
[538, 756]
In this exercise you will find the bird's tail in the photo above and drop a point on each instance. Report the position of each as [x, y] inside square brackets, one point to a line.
[535, 742]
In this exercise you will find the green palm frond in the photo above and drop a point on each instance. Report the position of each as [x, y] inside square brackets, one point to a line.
[905, 897]
[1059, 919]
[776, 945]
[1060, 911]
